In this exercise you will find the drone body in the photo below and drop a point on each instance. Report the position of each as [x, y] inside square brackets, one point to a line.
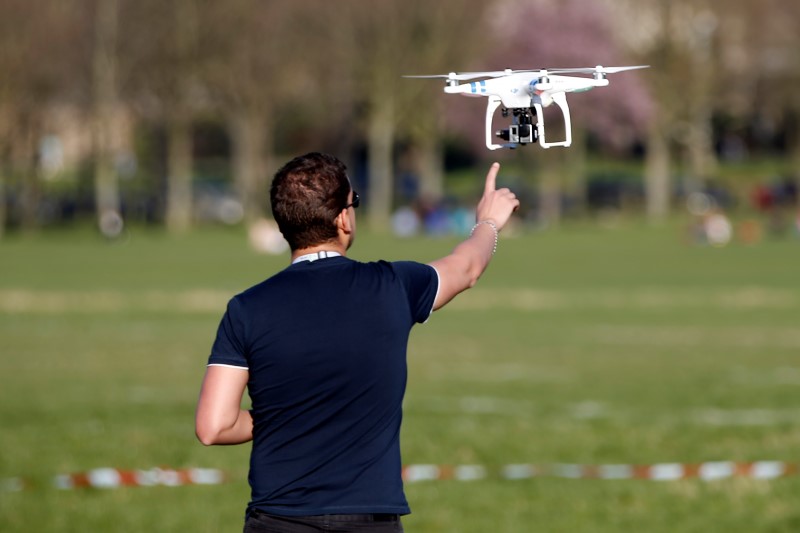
[524, 94]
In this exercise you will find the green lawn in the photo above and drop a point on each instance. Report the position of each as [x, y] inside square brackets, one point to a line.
[581, 345]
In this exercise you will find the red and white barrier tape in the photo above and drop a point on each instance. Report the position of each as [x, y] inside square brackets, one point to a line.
[110, 478]
[658, 472]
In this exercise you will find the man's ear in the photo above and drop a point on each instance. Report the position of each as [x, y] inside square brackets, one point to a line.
[342, 222]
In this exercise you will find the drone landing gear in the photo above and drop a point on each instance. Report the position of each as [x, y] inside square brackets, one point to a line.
[491, 106]
[523, 129]
[560, 99]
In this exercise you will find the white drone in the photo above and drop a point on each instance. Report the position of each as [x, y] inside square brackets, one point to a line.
[524, 93]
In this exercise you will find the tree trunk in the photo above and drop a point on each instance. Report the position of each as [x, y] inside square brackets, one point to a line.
[107, 198]
[380, 167]
[575, 166]
[3, 208]
[5, 169]
[179, 129]
[427, 155]
[429, 165]
[249, 133]
[795, 169]
[550, 187]
[179, 175]
[23, 166]
[794, 151]
[702, 161]
[30, 196]
[656, 173]
[700, 151]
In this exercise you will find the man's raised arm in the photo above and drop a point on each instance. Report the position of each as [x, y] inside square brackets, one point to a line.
[461, 269]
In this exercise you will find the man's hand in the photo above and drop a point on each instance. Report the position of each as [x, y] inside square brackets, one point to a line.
[496, 205]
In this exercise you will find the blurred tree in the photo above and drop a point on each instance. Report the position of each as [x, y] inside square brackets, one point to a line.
[701, 94]
[104, 106]
[4, 129]
[254, 50]
[385, 41]
[39, 57]
[161, 57]
[735, 60]
[647, 30]
[448, 35]
[791, 52]
[328, 74]
[770, 51]
[179, 114]
[664, 77]
[379, 37]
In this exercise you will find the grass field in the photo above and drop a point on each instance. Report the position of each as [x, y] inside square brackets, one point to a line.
[581, 346]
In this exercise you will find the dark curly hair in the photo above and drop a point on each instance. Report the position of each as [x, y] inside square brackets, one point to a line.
[307, 195]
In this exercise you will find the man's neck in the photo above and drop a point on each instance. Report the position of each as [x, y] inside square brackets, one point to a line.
[327, 247]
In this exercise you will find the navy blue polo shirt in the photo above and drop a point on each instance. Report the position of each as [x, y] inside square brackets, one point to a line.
[325, 346]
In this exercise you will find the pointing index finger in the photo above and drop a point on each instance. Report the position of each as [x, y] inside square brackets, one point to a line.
[491, 177]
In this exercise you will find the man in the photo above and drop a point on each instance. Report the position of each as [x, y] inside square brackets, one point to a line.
[321, 348]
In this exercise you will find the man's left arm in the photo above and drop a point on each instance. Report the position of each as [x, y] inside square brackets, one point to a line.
[219, 418]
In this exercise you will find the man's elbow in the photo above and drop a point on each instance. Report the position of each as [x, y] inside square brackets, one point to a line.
[205, 438]
[473, 274]
[470, 272]
[206, 434]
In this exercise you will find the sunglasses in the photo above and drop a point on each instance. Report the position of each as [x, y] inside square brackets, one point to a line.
[356, 201]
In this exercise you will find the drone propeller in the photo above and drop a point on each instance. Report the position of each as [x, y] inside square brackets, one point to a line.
[464, 76]
[595, 70]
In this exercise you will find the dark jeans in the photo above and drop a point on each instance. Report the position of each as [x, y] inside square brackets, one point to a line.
[259, 521]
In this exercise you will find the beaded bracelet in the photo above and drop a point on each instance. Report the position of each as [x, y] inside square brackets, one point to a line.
[493, 226]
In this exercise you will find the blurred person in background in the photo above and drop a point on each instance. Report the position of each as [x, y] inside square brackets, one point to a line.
[321, 348]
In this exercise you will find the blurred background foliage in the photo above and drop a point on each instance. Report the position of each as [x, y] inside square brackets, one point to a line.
[177, 113]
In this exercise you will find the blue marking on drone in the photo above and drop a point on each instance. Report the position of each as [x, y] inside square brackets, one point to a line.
[474, 87]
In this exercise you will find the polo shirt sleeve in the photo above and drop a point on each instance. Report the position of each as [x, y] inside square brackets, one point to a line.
[421, 283]
[229, 346]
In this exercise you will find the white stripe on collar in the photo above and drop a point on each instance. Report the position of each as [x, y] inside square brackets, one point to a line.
[322, 254]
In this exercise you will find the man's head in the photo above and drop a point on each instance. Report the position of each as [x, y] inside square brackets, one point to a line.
[308, 194]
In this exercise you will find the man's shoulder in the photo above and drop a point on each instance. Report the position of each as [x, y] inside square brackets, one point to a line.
[257, 291]
[397, 264]
[401, 270]
[411, 267]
